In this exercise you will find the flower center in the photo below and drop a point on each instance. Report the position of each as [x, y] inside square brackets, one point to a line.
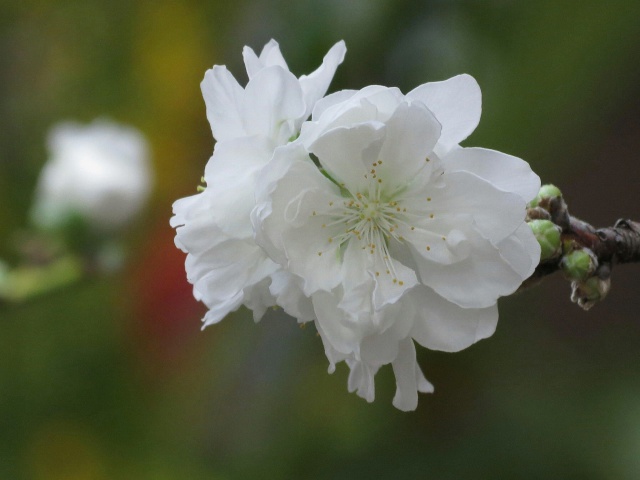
[372, 222]
[375, 216]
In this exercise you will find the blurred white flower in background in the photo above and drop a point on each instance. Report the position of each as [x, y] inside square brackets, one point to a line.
[96, 180]
[99, 172]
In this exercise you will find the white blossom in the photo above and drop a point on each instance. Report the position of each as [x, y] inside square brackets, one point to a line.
[370, 219]
[224, 263]
[100, 172]
[398, 233]
[274, 103]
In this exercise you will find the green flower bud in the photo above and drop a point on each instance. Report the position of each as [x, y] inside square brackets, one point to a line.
[548, 236]
[579, 264]
[546, 192]
[587, 293]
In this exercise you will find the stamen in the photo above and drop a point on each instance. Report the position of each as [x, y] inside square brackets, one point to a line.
[370, 221]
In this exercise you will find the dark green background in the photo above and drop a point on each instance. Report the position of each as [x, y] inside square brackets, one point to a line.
[112, 379]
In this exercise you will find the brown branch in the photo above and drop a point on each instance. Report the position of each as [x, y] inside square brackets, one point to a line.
[609, 246]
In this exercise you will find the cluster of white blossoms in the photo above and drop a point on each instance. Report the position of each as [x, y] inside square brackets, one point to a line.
[100, 172]
[368, 219]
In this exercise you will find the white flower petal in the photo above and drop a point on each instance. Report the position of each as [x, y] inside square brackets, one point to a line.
[222, 287]
[360, 113]
[315, 85]
[219, 266]
[442, 325]
[258, 298]
[361, 379]
[273, 99]
[411, 133]
[521, 250]
[395, 322]
[224, 99]
[312, 257]
[291, 219]
[251, 61]
[386, 100]
[371, 103]
[332, 354]
[497, 214]
[331, 100]
[217, 310]
[269, 56]
[346, 153]
[431, 245]
[456, 103]
[503, 171]
[388, 278]
[272, 192]
[475, 282]
[389, 287]
[409, 378]
[379, 349]
[343, 336]
[231, 176]
[287, 290]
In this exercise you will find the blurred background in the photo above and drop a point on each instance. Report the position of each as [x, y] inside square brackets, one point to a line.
[111, 378]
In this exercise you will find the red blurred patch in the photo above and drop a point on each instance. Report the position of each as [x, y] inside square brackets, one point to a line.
[168, 315]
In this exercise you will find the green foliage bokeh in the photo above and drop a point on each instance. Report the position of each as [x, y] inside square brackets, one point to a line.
[112, 379]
